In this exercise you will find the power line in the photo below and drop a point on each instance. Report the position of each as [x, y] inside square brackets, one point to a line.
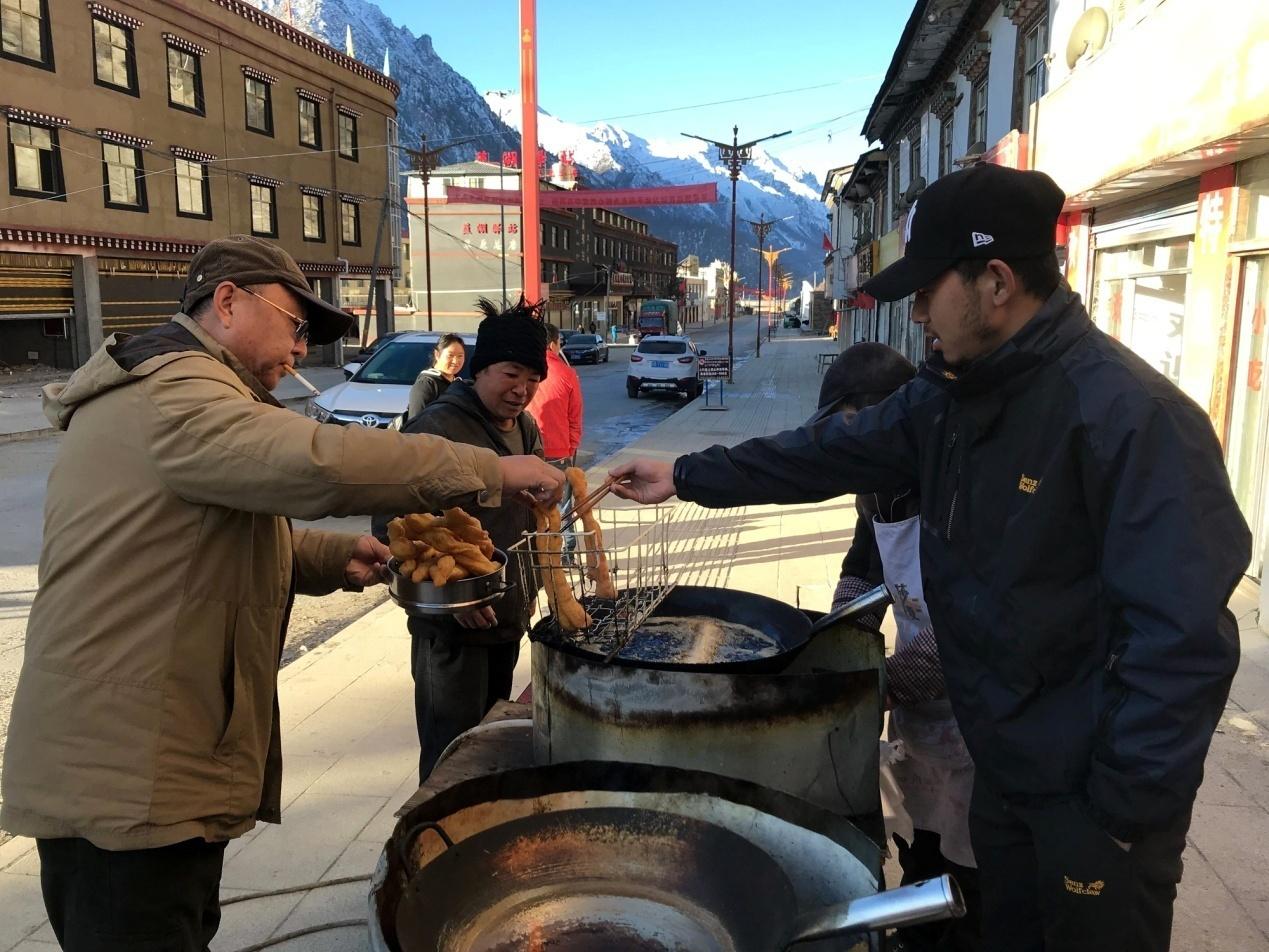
[726, 102]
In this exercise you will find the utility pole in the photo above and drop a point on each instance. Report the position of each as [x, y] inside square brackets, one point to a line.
[423, 161]
[530, 212]
[734, 155]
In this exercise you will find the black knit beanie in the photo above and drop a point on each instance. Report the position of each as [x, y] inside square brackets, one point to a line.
[864, 368]
[516, 334]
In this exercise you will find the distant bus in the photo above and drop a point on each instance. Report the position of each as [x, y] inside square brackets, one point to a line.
[660, 316]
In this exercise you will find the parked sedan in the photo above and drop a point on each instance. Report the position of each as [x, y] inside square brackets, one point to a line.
[585, 349]
[664, 363]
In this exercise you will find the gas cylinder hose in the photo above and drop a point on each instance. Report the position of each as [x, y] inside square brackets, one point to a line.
[287, 937]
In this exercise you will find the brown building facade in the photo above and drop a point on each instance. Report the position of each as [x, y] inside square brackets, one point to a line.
[138, 130]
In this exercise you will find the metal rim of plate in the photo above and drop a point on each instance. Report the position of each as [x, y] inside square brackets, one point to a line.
[427, 609]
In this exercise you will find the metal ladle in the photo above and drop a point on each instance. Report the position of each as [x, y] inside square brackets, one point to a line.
[927, 901]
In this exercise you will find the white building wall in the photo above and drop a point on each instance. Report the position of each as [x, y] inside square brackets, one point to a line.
[1000, 75]
[960, 117]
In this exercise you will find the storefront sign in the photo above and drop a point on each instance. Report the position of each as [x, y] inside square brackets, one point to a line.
[621, 281]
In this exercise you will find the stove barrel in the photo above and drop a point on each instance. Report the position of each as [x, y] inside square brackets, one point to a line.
[807, 725]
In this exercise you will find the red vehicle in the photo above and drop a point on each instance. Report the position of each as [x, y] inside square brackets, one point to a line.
[658, 318]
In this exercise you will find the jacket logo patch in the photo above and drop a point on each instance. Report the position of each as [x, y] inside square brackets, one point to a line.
[981, 239]
[1078, 888]
[1028, 485]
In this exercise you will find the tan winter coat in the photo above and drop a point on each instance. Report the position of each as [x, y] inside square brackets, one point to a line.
[146, 710]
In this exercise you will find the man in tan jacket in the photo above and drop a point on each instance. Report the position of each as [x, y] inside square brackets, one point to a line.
[144, 733]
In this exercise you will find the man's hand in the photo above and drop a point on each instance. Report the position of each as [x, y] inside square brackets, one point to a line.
[479, 618]
[644, 480]
[368, 564]
[533, 477]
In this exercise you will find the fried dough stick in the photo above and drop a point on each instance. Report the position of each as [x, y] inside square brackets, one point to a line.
[560, 599]
[593, 538]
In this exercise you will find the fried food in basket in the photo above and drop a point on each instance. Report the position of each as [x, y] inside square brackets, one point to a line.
[592, 539]
[568, 611]
[441, 549]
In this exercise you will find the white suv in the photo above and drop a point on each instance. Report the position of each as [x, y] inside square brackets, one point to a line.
[664, 363]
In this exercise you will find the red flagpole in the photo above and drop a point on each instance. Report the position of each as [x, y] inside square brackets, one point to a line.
[531, 249]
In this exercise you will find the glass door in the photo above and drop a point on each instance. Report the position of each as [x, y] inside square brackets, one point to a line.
[1248, 453]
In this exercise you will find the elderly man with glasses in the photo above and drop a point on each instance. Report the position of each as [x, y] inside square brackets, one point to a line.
[144, 733]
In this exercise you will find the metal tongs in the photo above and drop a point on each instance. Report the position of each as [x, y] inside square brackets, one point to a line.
[574, 512]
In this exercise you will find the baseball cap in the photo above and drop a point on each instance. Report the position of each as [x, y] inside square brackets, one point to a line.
[985, 211]
[246, 260]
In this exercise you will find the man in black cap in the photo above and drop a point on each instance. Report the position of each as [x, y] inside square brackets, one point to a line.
[145, 733]
[463, 665]
[1080, 542]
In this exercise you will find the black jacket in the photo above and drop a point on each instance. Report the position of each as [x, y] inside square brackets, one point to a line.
[458, 415]
[427, 387]
[1079, 543]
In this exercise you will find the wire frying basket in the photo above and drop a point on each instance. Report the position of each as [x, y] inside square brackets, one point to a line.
[571, 564]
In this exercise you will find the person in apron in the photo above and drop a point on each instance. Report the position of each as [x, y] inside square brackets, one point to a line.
[934, 773]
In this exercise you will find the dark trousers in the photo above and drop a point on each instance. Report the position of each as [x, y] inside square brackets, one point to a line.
[157, 900]
[1053, 881]
[455, 685]
[924, 860]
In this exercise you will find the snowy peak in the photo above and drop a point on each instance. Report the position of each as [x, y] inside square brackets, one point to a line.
[437, 101]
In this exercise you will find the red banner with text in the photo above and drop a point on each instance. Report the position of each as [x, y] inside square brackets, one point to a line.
[590, 198]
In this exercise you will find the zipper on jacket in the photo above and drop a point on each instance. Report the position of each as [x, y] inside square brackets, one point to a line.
[956, 485]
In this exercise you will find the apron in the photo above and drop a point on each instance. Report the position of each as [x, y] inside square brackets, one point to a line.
[937, 774]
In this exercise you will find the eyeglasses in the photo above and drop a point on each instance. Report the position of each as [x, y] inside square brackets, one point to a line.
[301, 326]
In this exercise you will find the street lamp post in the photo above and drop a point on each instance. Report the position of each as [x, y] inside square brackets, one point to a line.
[734, 155]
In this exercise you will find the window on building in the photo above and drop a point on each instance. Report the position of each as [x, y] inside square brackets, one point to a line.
[264, 211]
[945, 145]
[314, 218]
[350, 223]
[978, 111]
[895, 191]
[124, 176]
[259, 105]
[193, 189]
[564, 232]
[555, 236]
[115, 56]
[184, 80]
[1035, 76]
[24, 32]
[35, 162]
[914, 154]
[348, 136]
[310, 123]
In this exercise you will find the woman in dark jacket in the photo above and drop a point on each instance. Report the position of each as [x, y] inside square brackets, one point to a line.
[447, 361]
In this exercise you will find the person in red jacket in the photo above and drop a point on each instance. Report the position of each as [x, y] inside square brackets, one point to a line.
[557, 408]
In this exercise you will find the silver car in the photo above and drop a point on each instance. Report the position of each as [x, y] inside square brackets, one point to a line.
[378, 392]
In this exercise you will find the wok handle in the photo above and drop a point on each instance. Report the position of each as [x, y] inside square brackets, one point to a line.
[928, 901]
[875, 600]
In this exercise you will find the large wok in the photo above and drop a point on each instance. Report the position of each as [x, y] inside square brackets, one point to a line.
[788, 627]
[625, 879]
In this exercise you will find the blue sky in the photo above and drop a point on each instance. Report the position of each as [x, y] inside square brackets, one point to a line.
[604, 60]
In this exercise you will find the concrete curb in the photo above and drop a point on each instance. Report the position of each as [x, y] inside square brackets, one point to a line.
[24, 435]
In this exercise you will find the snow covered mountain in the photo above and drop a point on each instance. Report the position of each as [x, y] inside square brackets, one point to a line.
[438, 101]
[616, 157]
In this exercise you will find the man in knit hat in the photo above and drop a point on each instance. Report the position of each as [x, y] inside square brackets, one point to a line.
[462, 665]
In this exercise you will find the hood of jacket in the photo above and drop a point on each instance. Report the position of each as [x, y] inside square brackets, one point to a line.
[461, 397]
[127, 358]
